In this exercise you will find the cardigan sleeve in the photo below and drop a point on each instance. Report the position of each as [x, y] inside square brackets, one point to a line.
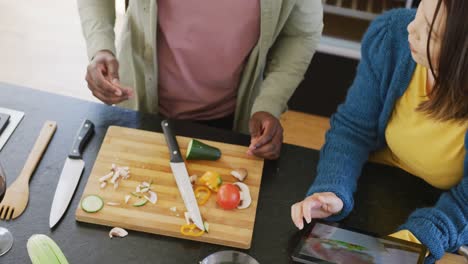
[97, 22]
[354, 127]
[444, 227]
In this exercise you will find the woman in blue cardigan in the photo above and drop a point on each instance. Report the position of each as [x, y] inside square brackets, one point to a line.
[407, 107]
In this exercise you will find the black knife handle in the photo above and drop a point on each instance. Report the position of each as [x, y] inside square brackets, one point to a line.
[171, 142]
[81, 139]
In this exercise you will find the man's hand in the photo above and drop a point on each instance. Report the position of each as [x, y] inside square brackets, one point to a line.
[266, 135]
[318, 205]
[102, 76]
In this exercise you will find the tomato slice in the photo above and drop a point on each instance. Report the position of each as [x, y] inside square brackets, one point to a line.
[228, 196]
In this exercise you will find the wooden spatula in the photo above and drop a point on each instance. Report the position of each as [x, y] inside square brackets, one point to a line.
[17, 195]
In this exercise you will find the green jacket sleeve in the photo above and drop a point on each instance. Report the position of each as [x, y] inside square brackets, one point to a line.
[290, 57]
[97, 22]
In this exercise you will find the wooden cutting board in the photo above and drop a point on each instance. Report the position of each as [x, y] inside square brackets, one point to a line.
[147, 156]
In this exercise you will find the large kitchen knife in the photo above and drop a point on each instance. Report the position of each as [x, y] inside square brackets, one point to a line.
[181, 176]
[71, 173]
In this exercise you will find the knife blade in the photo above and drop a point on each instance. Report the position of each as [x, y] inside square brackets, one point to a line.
[181, 176]
[71, 173]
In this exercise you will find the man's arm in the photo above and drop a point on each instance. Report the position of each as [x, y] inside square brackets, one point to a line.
[97, 23]
[290, 57]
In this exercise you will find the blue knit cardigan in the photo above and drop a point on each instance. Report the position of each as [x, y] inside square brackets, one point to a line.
[358, 128]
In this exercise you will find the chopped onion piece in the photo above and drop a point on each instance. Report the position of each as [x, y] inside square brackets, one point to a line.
[115, 176]
[123, 173]
[193, 179]
[106, 177]
[127, 198]
[153, 197]
[188, 219]
[103, 184]
[113, 203]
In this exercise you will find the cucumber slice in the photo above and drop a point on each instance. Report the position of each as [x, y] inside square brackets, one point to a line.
[200, 151]
[92, 203]
[140, 203]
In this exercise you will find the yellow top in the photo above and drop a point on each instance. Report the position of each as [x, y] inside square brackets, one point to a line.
[427, 148]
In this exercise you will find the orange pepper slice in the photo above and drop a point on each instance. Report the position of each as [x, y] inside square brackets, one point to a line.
[191, 230]
[212, 180]
[202, 193]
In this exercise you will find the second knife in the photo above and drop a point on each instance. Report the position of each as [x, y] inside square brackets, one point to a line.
[71, 173]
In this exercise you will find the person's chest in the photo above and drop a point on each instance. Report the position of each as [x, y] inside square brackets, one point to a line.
[429, 148]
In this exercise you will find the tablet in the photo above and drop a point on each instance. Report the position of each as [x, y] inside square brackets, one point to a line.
[326, 243]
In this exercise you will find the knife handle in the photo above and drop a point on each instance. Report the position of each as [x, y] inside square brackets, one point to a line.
[81, 138]
[171, 142]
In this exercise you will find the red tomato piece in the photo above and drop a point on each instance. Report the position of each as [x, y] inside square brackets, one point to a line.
[228, 196]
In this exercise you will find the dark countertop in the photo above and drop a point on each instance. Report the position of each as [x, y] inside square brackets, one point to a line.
[385, 197]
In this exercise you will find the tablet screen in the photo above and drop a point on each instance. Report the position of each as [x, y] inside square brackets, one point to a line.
[330, 244]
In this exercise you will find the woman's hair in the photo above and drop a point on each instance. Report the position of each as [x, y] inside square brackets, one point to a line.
[449, 96]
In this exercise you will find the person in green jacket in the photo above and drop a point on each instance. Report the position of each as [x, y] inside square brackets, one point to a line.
[230, 64]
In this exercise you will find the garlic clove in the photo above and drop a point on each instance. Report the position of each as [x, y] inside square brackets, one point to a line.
[118, 232]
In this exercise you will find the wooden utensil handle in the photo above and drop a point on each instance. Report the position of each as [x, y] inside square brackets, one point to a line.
[39, 148]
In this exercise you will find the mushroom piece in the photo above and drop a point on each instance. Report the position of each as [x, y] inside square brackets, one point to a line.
[245, 197]
[118, 232]
[240, 174]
